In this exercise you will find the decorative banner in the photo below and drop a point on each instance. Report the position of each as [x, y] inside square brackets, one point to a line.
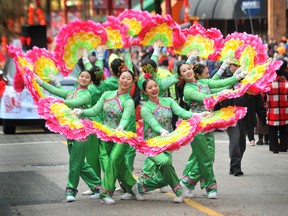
[117, 33]
[161, 28]
[73, 39]
[222, 119]
[45, 64]
[60, 119]
[135, 20]
[202, 41]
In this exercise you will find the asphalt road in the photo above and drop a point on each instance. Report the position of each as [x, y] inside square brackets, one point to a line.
[33, 172]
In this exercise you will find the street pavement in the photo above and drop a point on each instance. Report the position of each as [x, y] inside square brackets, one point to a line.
[33, 173]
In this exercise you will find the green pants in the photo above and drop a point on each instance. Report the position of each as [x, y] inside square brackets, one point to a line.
[130, 157]
[200, 163]
[78, 167]
[148, 169]
[93, 154]
[116, 168]
[165, 174]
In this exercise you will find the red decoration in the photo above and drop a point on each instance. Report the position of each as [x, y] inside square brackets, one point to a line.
[147, 75]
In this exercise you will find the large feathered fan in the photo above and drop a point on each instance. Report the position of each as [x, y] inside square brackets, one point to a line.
[135, 20]
[206, 43]
[222, 119]
[160, 28]
[117, 33]
[73, 39]
[45, 64]
[60, 119]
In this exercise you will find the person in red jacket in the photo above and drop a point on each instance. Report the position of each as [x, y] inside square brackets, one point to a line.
[277, 113]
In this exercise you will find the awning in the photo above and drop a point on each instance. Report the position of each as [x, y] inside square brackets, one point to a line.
[216, 9]
[228, 9]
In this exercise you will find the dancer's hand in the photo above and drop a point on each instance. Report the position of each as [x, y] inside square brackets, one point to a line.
[120, 128]
[226, 63]
[206, 114]
[85, 57]
[242, 75]
[38, 79]
[238, 71]
[78, 111]
[164, 132]
[54, 81]
[157, 48]
[99, 53]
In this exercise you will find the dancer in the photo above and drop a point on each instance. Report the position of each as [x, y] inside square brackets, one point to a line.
[200, 162]
[119, 113]
[157, 117]
[96, 154]
[78, 167]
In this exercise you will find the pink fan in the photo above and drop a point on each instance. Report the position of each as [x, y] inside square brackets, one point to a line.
[73, 39]
[135, 20]
[21, 61]
[45, 64]
[163, 29]
[117, 33]
[206, 43]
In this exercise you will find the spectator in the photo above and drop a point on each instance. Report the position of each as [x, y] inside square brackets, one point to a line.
[277, 114]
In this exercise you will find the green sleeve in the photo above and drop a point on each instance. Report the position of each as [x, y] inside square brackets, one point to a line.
[88, 66]
[129, 108]
[54, 90]
[100, 64]
[150, 119]
[216, 90]
[96, 109]
[128, 60]
[165, 83]
[216, 77]
[179, 111]
[155, 58]
[83, 98]
[221, 83]
[191, 93]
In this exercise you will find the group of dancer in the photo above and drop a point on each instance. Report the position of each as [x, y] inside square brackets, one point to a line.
[112, 102]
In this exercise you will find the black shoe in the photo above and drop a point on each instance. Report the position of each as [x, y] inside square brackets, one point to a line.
[259, 142]
[275, 152]
[238, 172]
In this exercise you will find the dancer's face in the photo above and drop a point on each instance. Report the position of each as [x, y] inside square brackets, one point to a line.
[125, 81]
[187, 73]
[152, 90]
[84, 79]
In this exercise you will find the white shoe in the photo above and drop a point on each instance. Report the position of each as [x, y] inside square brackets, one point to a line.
[137, 194]
[107, 200]
[188, 193]
[252, 142]
[87, 192]
[212, 195]
[127, 196]
[70, 198]
[164, 189]
[95, 196]
[179, 199]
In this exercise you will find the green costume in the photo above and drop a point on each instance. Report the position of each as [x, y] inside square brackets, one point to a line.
[96, 154]
[200, 162]
[149, 168]
[78, 167]
[118, 110]
[158, 116]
